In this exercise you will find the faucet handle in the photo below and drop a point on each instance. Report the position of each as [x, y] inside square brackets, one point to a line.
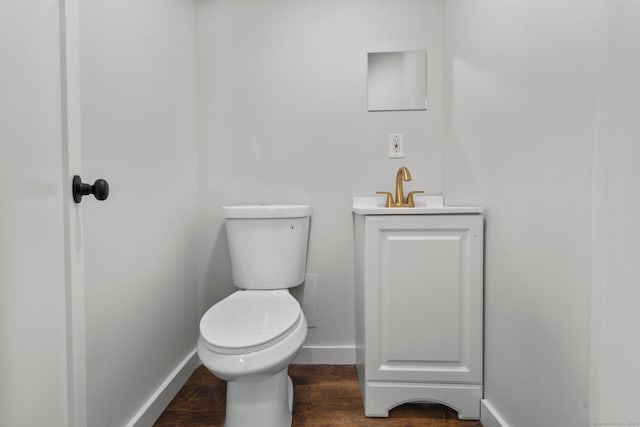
[389, 202]
[410, 202]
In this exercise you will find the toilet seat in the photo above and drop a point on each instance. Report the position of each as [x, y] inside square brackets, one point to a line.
[250, 321]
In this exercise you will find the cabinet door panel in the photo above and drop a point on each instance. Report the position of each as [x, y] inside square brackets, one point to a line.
[426, 326]
[420, 297]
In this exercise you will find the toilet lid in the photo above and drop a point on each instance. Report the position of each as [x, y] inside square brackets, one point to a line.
[248, 321]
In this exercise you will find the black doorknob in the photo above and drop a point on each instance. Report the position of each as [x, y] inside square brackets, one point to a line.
[100, 189]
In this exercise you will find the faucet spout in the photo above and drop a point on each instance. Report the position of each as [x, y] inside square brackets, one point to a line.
[402, 175]
[400, 202]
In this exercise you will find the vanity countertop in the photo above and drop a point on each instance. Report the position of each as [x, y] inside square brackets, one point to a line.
[434, 205]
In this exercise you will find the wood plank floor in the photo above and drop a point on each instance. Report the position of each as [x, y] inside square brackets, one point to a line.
[325, 396]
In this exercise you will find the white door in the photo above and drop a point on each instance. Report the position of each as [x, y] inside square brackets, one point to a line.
[138, 250]
[38, 381]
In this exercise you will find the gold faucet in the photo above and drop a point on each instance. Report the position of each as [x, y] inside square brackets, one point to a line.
[402, 175]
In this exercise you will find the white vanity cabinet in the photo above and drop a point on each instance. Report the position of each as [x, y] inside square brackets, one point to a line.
[419, 306]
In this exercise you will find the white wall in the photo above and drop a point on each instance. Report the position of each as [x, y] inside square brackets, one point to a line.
[617, 203]
[283, 118]
[139, 132]
[522, 81]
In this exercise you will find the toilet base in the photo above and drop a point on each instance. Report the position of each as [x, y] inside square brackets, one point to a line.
[264, 400]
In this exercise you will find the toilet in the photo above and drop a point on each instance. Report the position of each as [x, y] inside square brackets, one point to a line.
[249, 338]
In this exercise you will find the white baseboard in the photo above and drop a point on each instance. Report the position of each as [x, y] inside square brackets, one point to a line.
[489, 417]
[326, 355]
[158, 402]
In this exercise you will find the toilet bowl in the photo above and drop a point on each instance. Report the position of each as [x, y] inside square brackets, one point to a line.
[249, 338]
[251, 332]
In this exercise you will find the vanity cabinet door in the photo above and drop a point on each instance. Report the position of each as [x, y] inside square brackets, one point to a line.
[423, 298]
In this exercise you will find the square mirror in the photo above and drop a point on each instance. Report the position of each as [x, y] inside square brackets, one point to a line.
[397, 81]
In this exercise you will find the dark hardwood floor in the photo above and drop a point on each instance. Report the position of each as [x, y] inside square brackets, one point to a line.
[325, 396]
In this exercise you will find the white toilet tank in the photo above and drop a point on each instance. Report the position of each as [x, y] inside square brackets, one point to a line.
[267, 244]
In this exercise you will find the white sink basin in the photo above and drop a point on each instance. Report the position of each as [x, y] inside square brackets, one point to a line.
[374, 205]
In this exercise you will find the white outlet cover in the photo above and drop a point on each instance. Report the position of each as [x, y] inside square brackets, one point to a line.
[396, 145]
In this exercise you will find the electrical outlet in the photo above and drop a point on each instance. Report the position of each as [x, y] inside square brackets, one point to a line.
[396, 145]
